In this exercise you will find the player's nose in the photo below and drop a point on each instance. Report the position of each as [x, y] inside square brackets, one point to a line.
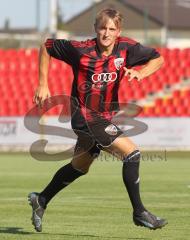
[106, 32]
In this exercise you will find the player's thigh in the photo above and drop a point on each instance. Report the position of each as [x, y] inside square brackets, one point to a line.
[111, 138]
[121, 147]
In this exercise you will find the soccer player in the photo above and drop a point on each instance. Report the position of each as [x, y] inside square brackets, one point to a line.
[98, 65]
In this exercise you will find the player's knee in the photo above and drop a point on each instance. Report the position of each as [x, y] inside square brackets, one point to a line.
[84, 168]
[94, 151]
[133, 156]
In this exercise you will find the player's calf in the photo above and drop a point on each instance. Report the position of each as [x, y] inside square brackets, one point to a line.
[132, 181]
[141, 216]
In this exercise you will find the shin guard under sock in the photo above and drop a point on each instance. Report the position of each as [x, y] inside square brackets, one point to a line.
[131, 180]
[63, 177]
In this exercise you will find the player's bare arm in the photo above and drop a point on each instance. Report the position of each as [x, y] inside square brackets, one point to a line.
[42, 92]
[151, 67]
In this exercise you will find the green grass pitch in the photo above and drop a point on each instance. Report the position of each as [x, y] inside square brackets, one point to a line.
[96, 206]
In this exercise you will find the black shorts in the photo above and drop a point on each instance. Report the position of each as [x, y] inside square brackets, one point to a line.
[93, 136]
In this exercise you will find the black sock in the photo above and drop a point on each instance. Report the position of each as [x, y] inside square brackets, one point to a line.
[63, 177]
[131, 180]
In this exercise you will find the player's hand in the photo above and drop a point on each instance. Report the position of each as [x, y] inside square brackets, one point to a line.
[41, 93]
[132, 74]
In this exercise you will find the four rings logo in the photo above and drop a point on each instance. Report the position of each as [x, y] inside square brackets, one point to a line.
[104, 77]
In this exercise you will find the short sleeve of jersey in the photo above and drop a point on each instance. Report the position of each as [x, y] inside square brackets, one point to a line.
[63, 50]
[139, 55]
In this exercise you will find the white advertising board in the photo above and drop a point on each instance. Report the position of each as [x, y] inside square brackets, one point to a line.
[161, 132]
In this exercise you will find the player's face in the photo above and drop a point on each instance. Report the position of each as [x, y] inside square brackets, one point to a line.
[107, 33]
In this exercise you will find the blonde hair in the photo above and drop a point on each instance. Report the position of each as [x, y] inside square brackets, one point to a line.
[105, 14]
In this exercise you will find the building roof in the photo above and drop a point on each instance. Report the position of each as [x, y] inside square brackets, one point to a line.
[18, 30]
[176, 13]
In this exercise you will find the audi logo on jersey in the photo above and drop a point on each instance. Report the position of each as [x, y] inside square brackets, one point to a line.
[104, 77]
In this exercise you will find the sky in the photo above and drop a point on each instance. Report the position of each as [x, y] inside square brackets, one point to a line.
[22, 13]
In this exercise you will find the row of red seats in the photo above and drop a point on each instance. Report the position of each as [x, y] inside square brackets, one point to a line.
[18, 53]
[175, 105]
[169, 111]
[175, 52]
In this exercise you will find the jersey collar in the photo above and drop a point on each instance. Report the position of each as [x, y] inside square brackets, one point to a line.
[99, 52]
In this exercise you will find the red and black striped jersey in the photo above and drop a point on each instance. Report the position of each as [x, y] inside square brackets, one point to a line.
[97, 77]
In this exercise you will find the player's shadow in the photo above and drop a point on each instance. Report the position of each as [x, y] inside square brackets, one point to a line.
[97, 236]
[14, 230]
[17, 230]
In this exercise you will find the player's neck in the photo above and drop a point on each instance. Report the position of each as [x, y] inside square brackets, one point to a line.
[106, 51]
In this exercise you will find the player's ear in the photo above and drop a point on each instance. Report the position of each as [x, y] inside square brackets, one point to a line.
[119, 33]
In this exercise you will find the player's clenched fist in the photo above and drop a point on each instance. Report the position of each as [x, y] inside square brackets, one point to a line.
[131, 73]
[41, 93]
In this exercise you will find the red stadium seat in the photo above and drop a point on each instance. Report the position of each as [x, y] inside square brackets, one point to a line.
[149, 111]
[176, 93]
[170, 111]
